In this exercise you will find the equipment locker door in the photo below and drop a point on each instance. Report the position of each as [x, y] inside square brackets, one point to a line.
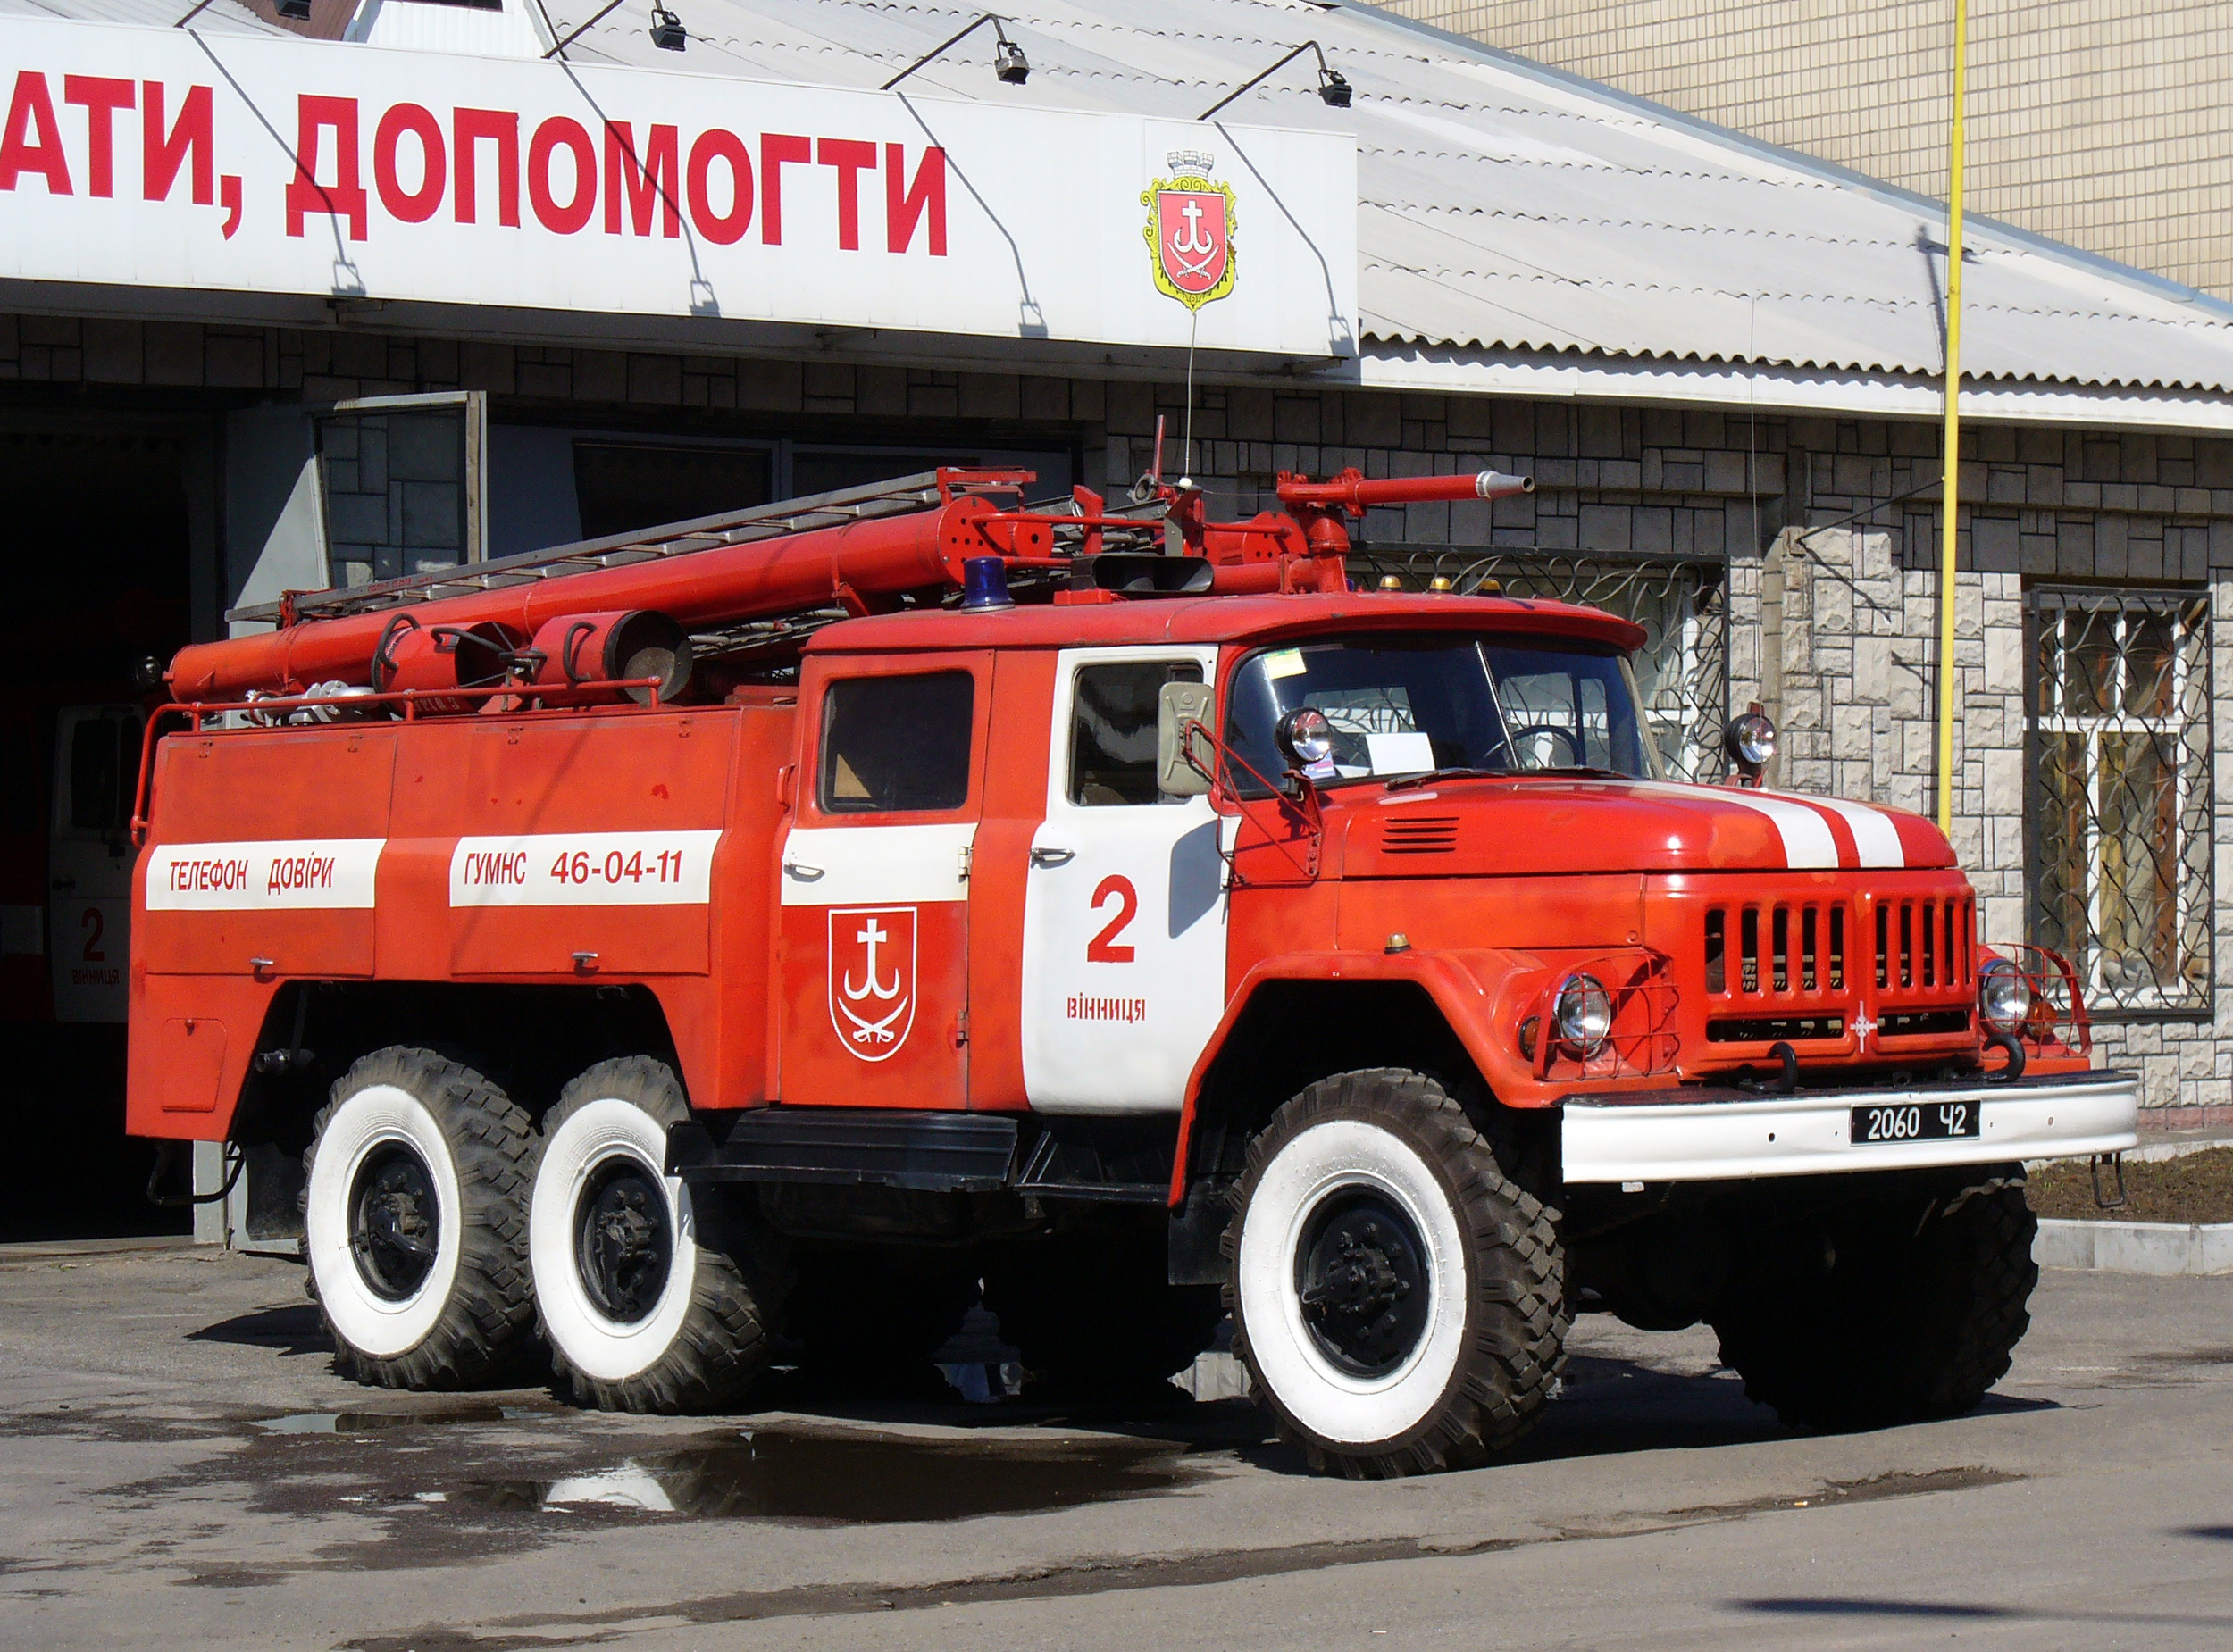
[1124, 910]
[874, 952]
[89, 860]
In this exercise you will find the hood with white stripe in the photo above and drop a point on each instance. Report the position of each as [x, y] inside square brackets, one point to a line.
[1538, 826]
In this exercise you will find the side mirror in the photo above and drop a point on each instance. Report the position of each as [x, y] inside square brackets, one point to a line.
[1180, 705]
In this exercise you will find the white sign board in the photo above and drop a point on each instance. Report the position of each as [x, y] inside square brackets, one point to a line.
[168, 159]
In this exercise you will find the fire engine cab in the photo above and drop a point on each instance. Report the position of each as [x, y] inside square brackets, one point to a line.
[795, 922]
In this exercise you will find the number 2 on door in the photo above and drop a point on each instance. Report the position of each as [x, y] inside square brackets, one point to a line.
[1103, 948]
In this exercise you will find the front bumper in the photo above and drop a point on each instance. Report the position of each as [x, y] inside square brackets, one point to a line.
[1732, 1135]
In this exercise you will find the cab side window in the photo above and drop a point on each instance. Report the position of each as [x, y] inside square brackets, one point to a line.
[1112, 730]
[894, 745]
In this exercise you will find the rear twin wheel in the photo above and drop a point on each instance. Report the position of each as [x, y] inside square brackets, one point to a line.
[415, 1222]
[640, 1312]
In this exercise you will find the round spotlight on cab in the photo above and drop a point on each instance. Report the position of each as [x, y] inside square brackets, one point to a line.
[1583, 1015]
[1305, 737]
[2003, 996]
[1751, 740]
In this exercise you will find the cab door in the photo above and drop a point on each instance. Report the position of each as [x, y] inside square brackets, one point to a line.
[1123, 975]
[89, 860]
[873, 956]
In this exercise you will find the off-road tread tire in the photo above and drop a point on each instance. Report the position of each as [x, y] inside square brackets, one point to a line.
[1922, 1330]
[1098, 1317]
[1505, 1377]
[485, 1335]
[744, 1276]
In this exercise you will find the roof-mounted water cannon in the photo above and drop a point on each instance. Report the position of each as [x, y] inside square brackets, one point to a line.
[1307, 543]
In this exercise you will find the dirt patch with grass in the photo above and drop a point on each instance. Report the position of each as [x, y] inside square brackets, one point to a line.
[2195, 1186]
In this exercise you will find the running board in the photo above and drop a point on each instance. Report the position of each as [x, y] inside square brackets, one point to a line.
[933, 1151]
[1124, 1160]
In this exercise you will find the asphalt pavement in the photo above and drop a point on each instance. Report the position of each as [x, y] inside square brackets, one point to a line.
[179, 1467]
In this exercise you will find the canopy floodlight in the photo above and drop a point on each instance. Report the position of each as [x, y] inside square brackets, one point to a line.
[1008, 62]
[1334, 90]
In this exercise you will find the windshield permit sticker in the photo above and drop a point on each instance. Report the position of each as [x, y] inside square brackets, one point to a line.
[1400, 753]
[1283, 663]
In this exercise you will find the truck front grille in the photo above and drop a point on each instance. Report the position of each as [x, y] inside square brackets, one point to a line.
[1925, 943]
[1784, 948]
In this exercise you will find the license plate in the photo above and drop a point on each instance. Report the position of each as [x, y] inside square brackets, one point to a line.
[1915, 1120]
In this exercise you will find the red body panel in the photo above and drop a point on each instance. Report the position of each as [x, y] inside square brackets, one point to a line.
[627, 845]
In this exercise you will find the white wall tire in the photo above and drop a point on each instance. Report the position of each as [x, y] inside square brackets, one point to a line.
[641, 1311]
[414, 1222]
[1399, 1301]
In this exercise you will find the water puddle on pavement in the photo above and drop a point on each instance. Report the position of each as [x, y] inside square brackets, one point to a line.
[371, 1422]
[828, 1479]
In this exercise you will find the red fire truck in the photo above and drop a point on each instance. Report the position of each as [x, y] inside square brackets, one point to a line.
[784, 923]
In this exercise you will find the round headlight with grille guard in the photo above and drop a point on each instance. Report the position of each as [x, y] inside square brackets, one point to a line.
[2003, 996]
[1583, 1015]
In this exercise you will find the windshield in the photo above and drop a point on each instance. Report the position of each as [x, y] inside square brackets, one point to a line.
[1403, 706]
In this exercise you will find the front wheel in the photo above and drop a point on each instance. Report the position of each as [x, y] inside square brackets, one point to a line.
[1920, 1308]
[1399, 1301]
[641, 1313]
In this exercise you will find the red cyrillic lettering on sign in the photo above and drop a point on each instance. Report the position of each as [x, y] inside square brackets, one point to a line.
[652, 179]
[906, 204]
[161, 154]
[345, 197]
[726, 228]
[412, 206]
[32, 116]
[500, 127]
[100, 97]
[777, 151]
[851, 156]
[558, 133]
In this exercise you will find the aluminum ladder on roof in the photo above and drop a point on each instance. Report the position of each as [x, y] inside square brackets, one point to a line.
[897, 497]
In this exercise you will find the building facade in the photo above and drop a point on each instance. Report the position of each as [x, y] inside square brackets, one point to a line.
[1718, 364]
[2098, 122]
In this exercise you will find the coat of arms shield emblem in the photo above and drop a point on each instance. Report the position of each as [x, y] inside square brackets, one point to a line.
[1191, 222]
[872, 978]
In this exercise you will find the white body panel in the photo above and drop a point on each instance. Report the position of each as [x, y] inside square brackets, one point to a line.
[584, 869]
[1117, 1011]
[867, 865]
[1806, 1135]
[299, 874]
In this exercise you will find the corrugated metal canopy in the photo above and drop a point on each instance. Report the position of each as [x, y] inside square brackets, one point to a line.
[1505, 207]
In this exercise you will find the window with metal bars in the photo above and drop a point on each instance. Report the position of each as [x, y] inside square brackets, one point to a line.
[2119, 806]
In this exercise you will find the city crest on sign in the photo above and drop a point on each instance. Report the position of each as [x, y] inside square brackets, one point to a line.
[872, 978]
[1190, 221]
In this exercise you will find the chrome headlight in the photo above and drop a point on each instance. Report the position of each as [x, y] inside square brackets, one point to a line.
[1583, 1015]
[2003, 996]
[1752, 738]
[1305, 737]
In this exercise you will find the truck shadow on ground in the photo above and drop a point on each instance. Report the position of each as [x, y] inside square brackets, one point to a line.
[805, 1446]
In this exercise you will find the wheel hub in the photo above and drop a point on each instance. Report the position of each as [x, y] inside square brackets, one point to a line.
[622, 1242]
[1361, 1275]
[394, 1222]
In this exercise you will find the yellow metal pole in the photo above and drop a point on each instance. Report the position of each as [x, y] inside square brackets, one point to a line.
[1949, 490]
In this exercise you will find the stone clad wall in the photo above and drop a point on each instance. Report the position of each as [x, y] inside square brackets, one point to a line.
[1844, 647]
[1831, 565]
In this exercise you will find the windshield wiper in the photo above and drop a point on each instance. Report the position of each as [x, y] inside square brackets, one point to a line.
[1406, 782]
